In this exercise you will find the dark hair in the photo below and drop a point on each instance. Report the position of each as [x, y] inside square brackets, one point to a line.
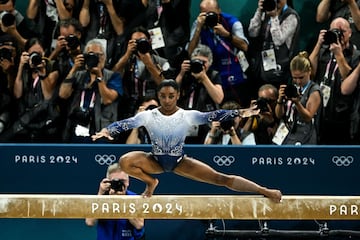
[140, 29]
[31, 42]
[168, 83]
[71, 22]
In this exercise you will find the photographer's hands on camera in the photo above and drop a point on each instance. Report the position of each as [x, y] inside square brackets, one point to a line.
[283, 95]
[105, 187]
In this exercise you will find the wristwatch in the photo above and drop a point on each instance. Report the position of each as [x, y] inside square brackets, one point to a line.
[99, 79]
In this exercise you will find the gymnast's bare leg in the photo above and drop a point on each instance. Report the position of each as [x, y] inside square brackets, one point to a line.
[199, 171]
[140, 165]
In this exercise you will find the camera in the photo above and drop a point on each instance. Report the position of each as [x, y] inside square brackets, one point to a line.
[196, 65]
[117, 184]
[35, 58]
[291, 91]
[226, 125]
[7, 18]
[332, 36]
[143, 46]
[91, 60]
[5, 53]
[72, 41]
[270, 5]
[262, 104]
[211, 19]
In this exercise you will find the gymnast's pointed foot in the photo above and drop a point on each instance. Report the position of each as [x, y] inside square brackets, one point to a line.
[274, 194]
[150, 188]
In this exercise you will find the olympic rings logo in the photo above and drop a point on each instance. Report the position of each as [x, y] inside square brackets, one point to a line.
[343, 161]
[105, 159]
[223, 160]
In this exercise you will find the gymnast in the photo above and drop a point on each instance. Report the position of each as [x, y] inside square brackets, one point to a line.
[167, 126]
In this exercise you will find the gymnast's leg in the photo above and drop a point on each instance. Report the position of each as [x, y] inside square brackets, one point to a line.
[140, 165]
[199, 171]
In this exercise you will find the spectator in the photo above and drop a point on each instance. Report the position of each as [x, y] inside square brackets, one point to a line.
[350, 86]
[117, 182]
[200, 88]
[331, 62]
[111, 21]
[9, 60]
[34, 90]
[142, 70]
[264, 124]
[44, 15]
[172, 18]
[230, 131]
[274, 35]
[298, 105]
[348, 9]
[140, 135]
[13, 23]
[94, 92]
[224, 34]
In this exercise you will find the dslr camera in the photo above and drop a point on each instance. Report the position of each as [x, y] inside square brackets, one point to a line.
[116, 184]
[291, 91]
[35, 59]
[7, 18]
[226, 125]
[270, 5]
[196, 65]
[72, 41]
[262, 104]
[211, 20]
[5, 53]
[143, 46]
[332, 36]
[91, 60]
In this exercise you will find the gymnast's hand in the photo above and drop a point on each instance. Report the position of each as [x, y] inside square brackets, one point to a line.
[103, 133]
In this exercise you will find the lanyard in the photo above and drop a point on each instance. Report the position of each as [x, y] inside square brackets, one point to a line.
[159, 10]
[326, 75]
[102, 19]
[227, 47]
[305, 87]
[36, 80]
[82, 101]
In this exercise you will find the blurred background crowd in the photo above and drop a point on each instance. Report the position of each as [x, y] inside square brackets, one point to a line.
[72, 67]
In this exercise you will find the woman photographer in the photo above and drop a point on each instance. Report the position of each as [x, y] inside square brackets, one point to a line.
[35, 92]
[298, 105]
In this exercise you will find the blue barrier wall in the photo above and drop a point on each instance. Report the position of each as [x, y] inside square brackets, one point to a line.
[77, 169]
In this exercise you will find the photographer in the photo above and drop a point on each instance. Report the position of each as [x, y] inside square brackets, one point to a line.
[141, 69]
[224, 35]
[43, 17]
[94, 90]
[117, 183]
[264, 124]
[35, 94]
[298, 105]
[332, 60]
[200, 88]
[230, 131]
[274, 32]
[348, 9]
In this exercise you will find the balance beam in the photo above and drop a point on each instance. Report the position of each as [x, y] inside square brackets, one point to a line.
[179, 207]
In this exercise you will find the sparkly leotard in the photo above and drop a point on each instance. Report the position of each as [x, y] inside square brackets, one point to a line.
[168, 132]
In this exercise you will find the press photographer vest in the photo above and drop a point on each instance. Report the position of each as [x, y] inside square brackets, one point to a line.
[283, 54]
